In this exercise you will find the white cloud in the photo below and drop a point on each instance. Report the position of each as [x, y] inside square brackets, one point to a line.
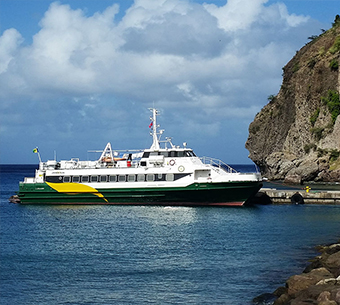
[236, 14]
[292, 19]
[9, 42]
[221, 62]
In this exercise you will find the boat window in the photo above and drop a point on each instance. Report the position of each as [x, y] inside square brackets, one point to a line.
[150, 177]
[181, 154]
[146, 155]
[190, 153]
[76, 179]
[166, 154]
[173, 154]
[85, 179]
[160, 177]
[54, 179]
[121, 178]
[94, 178]
[113, 178]
[103, 178]
[143, 163]
[169, 177]
[67, 179]
[140, 177]
[131, 178]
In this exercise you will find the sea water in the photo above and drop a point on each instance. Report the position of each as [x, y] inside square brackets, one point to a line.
[152, 254]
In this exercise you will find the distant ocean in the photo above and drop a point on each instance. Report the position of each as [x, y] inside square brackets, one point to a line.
[152, 255]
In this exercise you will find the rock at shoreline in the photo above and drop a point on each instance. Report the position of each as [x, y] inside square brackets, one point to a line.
[296, 136]
[319, 284]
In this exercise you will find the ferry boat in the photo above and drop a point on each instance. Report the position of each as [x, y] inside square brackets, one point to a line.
[164, 174]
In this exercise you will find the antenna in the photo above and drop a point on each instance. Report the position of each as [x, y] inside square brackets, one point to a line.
[154, 126]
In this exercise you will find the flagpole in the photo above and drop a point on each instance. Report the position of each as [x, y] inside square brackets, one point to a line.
[39, 156]
[36, 150]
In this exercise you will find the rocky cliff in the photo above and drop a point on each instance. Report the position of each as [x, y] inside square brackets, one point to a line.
[296, 136]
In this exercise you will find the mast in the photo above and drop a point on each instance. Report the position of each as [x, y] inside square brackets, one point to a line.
[153, 124]
[107, 153]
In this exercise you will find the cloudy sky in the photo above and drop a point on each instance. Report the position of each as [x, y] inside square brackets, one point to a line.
[75, 75]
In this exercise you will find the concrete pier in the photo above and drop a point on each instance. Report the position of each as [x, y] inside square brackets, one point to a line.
[302, 196]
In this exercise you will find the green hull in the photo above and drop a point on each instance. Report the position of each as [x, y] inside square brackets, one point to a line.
[197, 194]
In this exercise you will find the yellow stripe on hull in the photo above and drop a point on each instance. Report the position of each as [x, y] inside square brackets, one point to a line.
[74, 188]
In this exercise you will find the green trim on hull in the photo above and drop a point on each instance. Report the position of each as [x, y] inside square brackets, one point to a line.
[196, 194]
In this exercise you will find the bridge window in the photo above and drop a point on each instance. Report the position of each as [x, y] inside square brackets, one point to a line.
[173, 154]
[146, 155]
[189, 153]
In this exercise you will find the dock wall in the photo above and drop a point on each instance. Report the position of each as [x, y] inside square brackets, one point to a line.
[302, 196]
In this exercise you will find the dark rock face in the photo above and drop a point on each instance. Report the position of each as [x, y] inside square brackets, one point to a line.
[296, 136]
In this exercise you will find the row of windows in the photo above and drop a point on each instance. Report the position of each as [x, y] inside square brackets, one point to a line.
[170, 154]
[115, 178]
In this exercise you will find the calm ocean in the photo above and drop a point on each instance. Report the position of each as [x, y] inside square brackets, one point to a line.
[152, 255]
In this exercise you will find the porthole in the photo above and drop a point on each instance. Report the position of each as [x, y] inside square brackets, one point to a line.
[181, 168]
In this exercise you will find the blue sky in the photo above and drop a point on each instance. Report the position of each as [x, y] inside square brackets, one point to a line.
[77, 74]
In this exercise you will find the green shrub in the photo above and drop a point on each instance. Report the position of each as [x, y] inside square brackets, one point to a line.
[271, 98]
[314, 116]
[336, 46]
[317, 132]
[296, 67]
[309, 147]
[322, 51]
[334, 64]
[313, 37]
[336, 21]
[334, 155]
[333, 103]
[322, 152]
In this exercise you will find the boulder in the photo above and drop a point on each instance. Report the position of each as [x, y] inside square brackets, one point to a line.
[319, 284]
[332, 263]
[293, 179]
[265, 298]
[296, 283]
[316, 295]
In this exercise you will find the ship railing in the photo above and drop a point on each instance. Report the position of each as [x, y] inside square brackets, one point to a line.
[29, 180]
[218, 163]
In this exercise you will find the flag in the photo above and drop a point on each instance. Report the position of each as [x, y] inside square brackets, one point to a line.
[150, 124]
[35, 150]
